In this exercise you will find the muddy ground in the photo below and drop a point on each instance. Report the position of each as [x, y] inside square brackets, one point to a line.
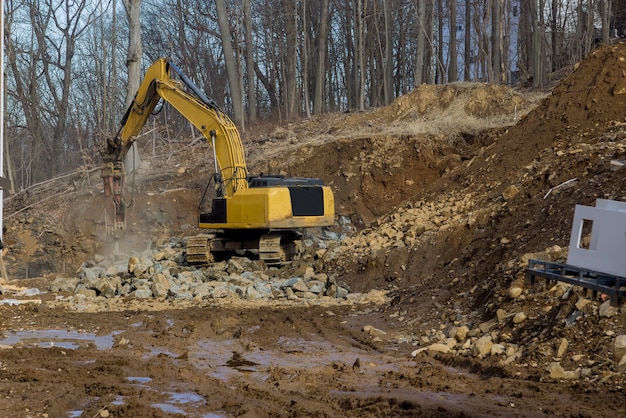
[443, 197]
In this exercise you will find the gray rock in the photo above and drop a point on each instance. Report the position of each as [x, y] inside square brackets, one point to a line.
[234, 266]
[84, 291]
[91, 274]
[619, 347]
[556, 371]
[482, 346]
[621, 365]
[142, 293]
[317, 287]
[220, 292]
[64, 284]
[439, 348]
[331, 290]
[124, 289]
[238, 280]
[241, 291]
[371, 330]
[186, 295]
[607, 311]
[519, 318]
[563, 345]
[202, 291]
[160, 286]
[290, 294]
[264, 289]
[341, 293]
[297, 284]
[497, 349]
[252, 293]
[461, 333]
[105, 288]
[139, 266]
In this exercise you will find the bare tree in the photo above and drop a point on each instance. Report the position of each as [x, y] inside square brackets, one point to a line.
[134, 54]
[320, 79]
[40, 64]
[421, 42]
[496, 42]
[453, 67]
[467, 54]
[388, 56]
[289, 81]
[231, 64]
[359, 19]
[604, 7]
[252, 105]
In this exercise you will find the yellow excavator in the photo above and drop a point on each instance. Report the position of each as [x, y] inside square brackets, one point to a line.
[258, 215]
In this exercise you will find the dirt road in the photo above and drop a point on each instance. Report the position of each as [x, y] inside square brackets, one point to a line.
[212, 361]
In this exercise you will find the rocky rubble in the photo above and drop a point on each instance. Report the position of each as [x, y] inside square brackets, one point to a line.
[411, 225]
[534, 340]
[162, 274]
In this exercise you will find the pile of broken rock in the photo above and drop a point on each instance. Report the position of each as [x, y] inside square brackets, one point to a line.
[162, 274]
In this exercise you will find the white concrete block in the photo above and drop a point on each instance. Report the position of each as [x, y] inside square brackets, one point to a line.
[606, 252]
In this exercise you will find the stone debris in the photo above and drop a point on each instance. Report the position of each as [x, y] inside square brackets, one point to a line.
[619, 347]
[409, 226]
[161, 274]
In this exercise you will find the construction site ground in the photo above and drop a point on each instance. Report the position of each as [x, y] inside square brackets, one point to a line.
[442, 197]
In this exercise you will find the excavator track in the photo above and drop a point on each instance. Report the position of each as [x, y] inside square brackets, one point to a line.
[277, 249]
[199, 249]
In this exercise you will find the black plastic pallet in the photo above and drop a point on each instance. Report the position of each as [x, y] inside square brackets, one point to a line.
[612, 286]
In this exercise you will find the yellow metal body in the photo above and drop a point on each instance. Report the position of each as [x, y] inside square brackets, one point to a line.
[270, 208]
[244, 207]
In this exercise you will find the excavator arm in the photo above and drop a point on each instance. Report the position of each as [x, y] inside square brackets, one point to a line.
[231, 173]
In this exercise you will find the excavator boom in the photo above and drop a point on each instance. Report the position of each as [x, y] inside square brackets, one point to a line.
[211, 121]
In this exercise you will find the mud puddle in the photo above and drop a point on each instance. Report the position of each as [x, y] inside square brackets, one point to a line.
[176, 402]
[182, 402]
[46, 338]
[226, 359]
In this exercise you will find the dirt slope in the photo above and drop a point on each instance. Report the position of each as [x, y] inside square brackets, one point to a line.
[445, 195]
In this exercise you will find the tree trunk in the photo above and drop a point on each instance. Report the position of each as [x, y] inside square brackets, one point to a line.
[252, 106]
[440, 76]
[291, 57]
[605, 14]
[553, 34]
[467, 60]
[496, 41]
[320, 77]
[133, 57]
[388, 77]
[430, 51]
[305, 61]
[421, 42]
[536, 45]
[231, 65]
[360, 23]
[453, 68]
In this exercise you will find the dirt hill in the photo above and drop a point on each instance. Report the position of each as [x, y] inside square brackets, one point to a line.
[443, 196]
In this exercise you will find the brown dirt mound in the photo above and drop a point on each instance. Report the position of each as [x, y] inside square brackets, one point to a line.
[588, 102]
[476, 100]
